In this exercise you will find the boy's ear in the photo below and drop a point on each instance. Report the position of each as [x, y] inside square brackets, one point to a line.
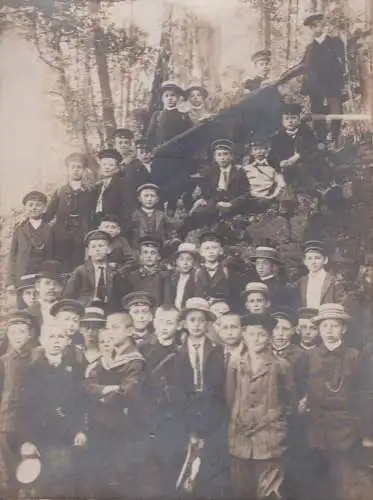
[344, 329]
[326, 260]
[268, 303]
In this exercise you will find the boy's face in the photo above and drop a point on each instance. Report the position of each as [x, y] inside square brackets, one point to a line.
[257, 303]
[307, 331]
[123, 145]
[184, 262]
[149, 255]
[75, 169]
[259, 152]
[148, 198]
[165, 324]
[53, 340]
[108, 167]
[211, 251]
[89, 332]
[196, 323]
[29, 296]
[230, 329]
[262, 67]
[315, 261]
[19, 335]
[49, 290]
[219, 308]
[282, 333]
[169, 99]
[256, 337]
[120, 326]
[144, 154]
[68, 321]
[331, 330]
[264, 267]
[105, 342]
[111, 228]
[141, 315]
[317, 28]
[34, 209]
[98, 250]
[291, 121]
[195, 98]
[222, 157]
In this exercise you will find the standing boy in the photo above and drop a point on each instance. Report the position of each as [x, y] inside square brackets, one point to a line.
[230, 333]
[260, 392]
[21, 333]
[121, 252]
[202, 382]
[139, 306]
[96, 282]
[71, 207]
[318, 286]
[31, 241]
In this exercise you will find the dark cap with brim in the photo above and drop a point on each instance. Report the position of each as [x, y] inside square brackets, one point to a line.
[110, 153]
[137, 298]
[313, 18]
[96, 234]
[123, 132]
[211, 236]
[26, 281]
[35, 196]
[284, 313]
[50, 269]
[150, 240]
[307, 313]
[17, 317]
[259, 320]
[67, 305]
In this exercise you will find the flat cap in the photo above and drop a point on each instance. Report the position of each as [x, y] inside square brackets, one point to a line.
[313, 18]
[123, 132]
[226, 144]
[285, 313]
[110, 153]
[314, 245]
[307, 313]
[137, 298]
[24, 317]
[150, 240]
[148, 185]
[211, 236]
[67, 305]
[189, 248]
[96, 234]
[35, 196]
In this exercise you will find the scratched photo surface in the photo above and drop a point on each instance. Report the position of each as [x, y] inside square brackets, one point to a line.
[186, 249]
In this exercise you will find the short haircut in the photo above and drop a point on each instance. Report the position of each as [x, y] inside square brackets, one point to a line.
[166, 308]
[231, 313]
[119, 313]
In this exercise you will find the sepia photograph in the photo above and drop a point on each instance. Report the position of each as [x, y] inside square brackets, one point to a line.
[186, 249]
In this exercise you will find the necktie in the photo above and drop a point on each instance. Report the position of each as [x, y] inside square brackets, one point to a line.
[198, 371]
[101, 287]
[99, 205]
[227, 359]
[225, 177]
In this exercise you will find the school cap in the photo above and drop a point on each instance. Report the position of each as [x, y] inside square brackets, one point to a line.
[258, 140]
[197, 304]
[96, 234]
[255, 287]
[211, 236]
[259, 320]
[24, 317]
[50, 269]
[307, 313]
[137, 298]
[143, 142]
[35, 196]
[148, 185]
[111, 218]
[195, 86]
[150, 240]
[110, 153]
[331, 311]
[314, 245]
[222, 144]
[26, 281]
[93, 315]
[291, 108]
[261, 55]
[285, 313]
[70, 305]
[189, 248]
[82, 158]
[311, 19]
[169, 85]
[264, 252]
[123, 132]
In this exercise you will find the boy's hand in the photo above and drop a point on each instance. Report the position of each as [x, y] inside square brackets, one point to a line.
[29, 450]
[80, 439]
[109, 389]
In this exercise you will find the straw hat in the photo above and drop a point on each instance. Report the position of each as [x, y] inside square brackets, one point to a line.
[331, 311]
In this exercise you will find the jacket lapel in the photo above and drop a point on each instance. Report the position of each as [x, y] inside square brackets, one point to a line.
[325, 286]
[303, 289]
[158, 219]
[90, 271]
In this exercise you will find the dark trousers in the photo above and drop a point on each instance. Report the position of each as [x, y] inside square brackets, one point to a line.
[333, 105]
[257, 479]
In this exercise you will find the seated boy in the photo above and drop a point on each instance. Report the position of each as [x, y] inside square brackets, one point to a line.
[31, 241]
[21, 336]
[180, 284]
[307, 331]
[113, 382]
[26, 292]
[71, 207]
[148, 219]
[256, 297]
[149, 277]
[91, 323]
[96, 282]
[261, 394]
[265, 182]
[319, 286]
[202, 383]
[52, 414]
[139, 306]
[339, 404]
[121, 252]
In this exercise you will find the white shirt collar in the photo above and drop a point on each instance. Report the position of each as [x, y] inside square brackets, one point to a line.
[307, 347]
[333, 347]
[321, 38]
[148, 211]
[268, 277]
[320, 275]
[75, 185]
[35, 223]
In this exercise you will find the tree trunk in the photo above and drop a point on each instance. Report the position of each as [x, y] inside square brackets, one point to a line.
[267, 18]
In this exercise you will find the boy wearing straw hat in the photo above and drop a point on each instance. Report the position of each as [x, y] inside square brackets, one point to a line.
[339, 403]
[256, 298]
[202, 385]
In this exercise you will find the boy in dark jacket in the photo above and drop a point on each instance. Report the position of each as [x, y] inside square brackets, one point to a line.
[121, 253]
[140, 306]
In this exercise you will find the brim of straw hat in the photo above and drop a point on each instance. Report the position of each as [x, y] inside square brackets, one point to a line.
[210, 315]
[321, 317]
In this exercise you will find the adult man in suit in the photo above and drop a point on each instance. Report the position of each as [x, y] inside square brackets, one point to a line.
[323, 69]
[110, 195]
